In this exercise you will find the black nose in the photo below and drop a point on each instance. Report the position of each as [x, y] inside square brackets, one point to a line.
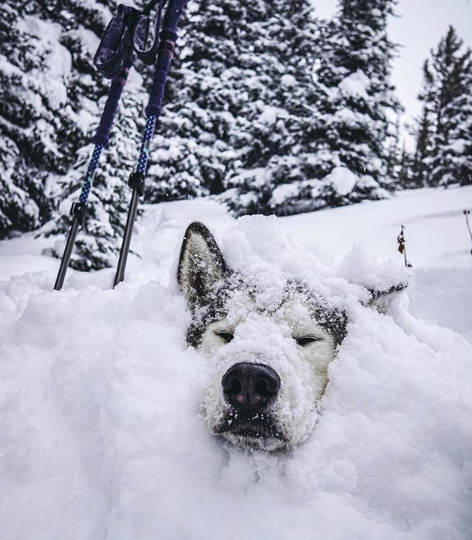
[250, 387]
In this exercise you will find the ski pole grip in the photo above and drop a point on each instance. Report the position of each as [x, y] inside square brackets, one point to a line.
[102, 135]
[168, 37]
[166, 53]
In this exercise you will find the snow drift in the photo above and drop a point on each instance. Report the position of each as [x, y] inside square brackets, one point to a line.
[102, 438]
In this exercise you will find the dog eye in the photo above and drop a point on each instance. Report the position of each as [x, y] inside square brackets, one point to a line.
[227, 336]
[306, 340]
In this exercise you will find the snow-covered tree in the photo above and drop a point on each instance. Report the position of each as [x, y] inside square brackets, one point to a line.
[443, 134]
[405, 179]
[455, 158]
[451, 97]
[39, 132]
[51, 97]
[192, 140]
[395, 154]
[360, 105]
[240, 109]
[420, 163]
[277, 134]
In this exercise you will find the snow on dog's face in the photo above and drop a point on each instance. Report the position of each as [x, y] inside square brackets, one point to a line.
[269, 350]
[270, 367]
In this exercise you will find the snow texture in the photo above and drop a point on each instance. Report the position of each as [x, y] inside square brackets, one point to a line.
[342, 179]
[100, 399]
[355, 84]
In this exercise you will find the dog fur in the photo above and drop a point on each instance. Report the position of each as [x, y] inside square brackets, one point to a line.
[297, 337]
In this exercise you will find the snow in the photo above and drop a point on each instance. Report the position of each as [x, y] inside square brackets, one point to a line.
[342, 179]
[57, 61]
[284, 192]
[355, 84]
[269, 115]
[458, 146]
[288, 80]
[99, 394]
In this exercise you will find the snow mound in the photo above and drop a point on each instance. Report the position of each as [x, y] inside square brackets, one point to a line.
[102, 438]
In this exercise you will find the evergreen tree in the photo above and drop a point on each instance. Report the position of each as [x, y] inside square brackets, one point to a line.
[48, 111]
[192, 143]
[279, 126]
[240, 115]
[359, 100]
[406, 179]
[98, 241]
[443, 137]
[420, 165]
[39, 131]
[456, 160]
[451, 161]
[395, 155]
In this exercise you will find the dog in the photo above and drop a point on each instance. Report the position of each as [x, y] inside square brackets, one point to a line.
[269, 361]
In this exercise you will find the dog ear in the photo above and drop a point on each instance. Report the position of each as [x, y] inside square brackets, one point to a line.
[380, 300]
[201, 264]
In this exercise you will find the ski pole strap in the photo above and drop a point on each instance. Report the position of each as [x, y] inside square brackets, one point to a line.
[116, 46]
[129, 29]
[102, 135]
[147, 30]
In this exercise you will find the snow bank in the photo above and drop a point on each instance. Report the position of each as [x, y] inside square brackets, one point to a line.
[102, 438]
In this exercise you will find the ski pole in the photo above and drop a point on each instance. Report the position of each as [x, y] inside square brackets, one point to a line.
[129, 30]
[100, 139]
[402, 246]
[466, 214]
[168, 37]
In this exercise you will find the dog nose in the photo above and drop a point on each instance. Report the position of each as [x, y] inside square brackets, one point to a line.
[250, 387]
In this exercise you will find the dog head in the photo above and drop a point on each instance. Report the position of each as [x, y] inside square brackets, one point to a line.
[269, 350]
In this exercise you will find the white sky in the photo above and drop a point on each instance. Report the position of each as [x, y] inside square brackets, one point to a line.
[420, 25]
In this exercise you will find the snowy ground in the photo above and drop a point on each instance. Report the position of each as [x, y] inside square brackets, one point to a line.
[99, 396]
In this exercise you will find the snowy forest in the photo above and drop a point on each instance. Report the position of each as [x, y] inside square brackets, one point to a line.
[287, 354]
[280, 113]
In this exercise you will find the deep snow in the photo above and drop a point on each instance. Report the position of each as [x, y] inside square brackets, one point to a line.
[99, 395]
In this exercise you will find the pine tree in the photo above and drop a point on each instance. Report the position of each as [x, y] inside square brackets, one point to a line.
[355, 75]
[39, 131]
[279, 171]
[456, 162]
[48, 110]
[406, 179]
[193, 145]
[98, 241]
[240, 115]
[451, 162]
[395, 154]
[443, 139]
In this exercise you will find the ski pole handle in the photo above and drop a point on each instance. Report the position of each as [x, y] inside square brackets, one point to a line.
[102, 135]
[168, 37]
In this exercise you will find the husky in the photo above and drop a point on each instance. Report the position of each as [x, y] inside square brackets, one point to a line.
[269, 360]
